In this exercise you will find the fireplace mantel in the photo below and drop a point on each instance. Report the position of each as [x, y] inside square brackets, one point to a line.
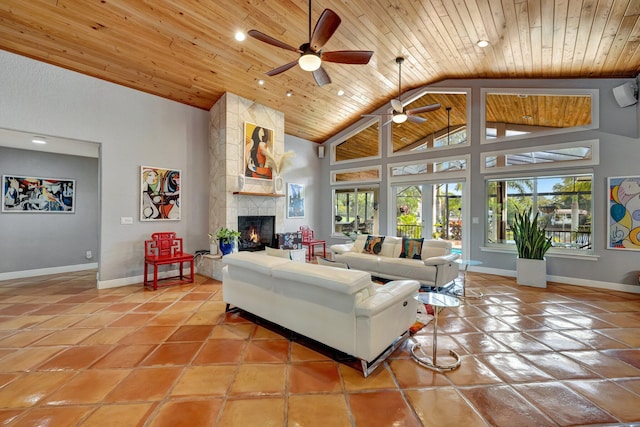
[249, 193]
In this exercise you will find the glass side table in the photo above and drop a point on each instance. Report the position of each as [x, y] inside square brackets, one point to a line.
[438, 301]
[467, 263]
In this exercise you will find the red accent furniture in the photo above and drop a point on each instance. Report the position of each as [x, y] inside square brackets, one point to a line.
[164, 249]
[309, 240]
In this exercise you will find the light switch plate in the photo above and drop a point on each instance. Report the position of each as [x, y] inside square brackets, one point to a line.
[475, 220]
[126, 220]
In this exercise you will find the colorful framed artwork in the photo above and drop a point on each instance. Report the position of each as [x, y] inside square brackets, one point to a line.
[257, 138]
[295, 200]
[34, 194]
[623, 222]
[159, 194]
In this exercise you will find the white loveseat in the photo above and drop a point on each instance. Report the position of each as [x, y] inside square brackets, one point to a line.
[436, 268]
[340, 308]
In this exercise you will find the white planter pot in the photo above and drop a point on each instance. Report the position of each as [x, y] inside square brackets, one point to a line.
[531, 272]
[213, 248]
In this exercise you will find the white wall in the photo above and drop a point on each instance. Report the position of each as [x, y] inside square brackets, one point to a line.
[305, 170]
[134, 129]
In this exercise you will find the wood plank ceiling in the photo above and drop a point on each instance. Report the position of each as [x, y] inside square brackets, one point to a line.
[185, 50]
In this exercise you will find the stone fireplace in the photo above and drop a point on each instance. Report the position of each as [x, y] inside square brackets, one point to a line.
[257, 232]
[231, 195]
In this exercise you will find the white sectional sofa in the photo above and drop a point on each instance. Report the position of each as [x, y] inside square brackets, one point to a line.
[435, 268]
[340, 308]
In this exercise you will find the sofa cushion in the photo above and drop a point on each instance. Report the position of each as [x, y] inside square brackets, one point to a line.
[280, 253]
[373, 245]
[411, 248]
[433, 247]
[357, 261]
[261, 264]
[407, 268]
[358, 244]
[336, 279]
[391, 246]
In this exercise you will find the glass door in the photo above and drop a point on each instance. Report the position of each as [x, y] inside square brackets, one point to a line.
[431, 210]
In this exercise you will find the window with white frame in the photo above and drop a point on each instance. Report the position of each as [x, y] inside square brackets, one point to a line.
[562, 201]
[355, 210]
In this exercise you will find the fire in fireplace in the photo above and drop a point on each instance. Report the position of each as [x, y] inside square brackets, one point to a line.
[256, 232]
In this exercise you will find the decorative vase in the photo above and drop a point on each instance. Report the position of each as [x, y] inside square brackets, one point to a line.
[531, 272]
[226, 248]
[278, 184]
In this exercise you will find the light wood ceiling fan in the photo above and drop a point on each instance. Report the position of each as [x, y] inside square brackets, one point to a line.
[399, 114]
[311, 54]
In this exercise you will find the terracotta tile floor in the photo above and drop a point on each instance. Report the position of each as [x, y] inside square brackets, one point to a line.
[72, 355]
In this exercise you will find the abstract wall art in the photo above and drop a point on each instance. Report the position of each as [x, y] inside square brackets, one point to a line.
[256, 138]
[34, 194]
[623, 222]
[160, 194]
[295, 200]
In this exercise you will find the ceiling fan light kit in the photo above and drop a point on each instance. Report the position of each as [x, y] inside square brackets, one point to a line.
[311, 54]
[310, 62]
[399, 118]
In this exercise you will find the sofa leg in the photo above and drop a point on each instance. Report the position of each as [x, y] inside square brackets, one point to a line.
[369, 367]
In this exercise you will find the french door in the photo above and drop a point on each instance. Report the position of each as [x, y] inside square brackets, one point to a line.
[431, 210]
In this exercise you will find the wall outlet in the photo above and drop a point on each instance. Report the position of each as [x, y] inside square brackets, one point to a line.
[126, 220]
[89, 255]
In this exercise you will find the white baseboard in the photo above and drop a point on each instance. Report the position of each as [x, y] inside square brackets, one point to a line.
[136, 280]
[566, 280]
[45, 271]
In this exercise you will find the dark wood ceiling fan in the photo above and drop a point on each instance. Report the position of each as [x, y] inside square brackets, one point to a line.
[311, 54]
[399, 114]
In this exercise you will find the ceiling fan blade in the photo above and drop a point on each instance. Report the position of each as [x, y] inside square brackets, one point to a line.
[424, 109]
[270, 40]
[396, 104]
[356, 57]
[416, 119]
[281, 69]
[325, 27]
[321, 77]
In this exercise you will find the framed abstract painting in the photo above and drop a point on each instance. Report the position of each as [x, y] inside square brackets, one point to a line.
[623, 221]
[295, 200]
[159, 194]
[257, 138]
[38, 195]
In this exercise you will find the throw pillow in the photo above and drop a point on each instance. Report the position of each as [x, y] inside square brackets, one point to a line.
[331, 263]
[280, 253]
[411, 248]
[373, 245]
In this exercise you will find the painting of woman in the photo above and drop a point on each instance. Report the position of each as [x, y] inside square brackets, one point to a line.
[259, 139]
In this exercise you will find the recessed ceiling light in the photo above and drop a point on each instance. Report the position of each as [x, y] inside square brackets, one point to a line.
[340, 92]
[260, 82]
[289, 93]
[240, 36]
[482, 43]
[39, 140]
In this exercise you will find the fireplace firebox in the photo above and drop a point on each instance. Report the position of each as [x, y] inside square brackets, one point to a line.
[256, 232]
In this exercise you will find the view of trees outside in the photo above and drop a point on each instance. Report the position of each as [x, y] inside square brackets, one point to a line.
[564, 205]
[447, 209]
[354, 210]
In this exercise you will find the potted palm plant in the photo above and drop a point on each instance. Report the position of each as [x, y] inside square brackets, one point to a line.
[226, 239]
[532, 244]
